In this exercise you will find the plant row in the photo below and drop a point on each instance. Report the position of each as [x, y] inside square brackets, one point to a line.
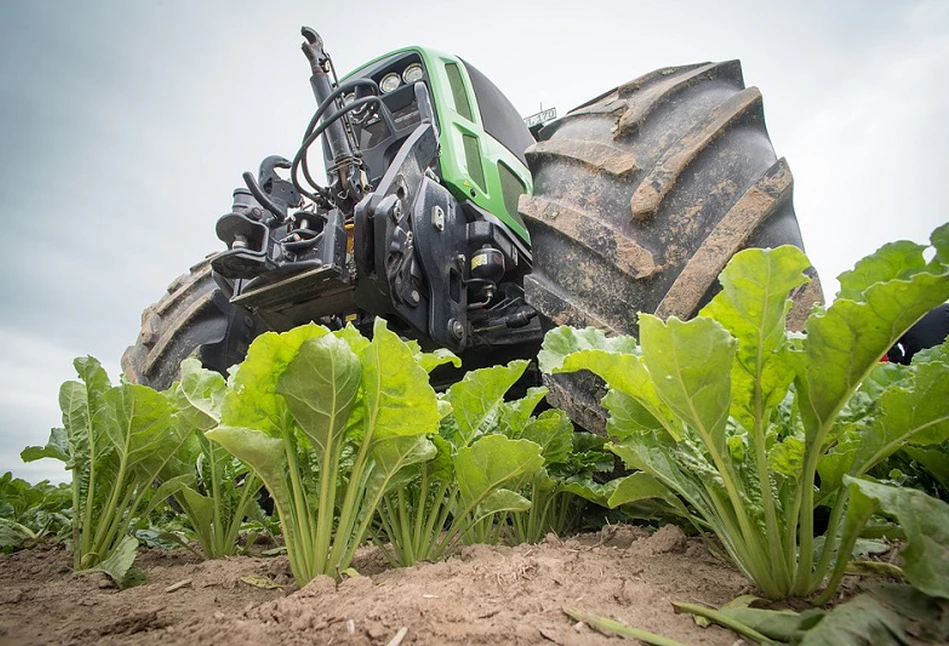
[790, 449]
[345, 437]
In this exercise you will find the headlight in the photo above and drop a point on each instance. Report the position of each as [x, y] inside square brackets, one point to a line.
[390, 82]
[412, 73]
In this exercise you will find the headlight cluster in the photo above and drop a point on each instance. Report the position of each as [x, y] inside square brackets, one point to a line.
[391, 81]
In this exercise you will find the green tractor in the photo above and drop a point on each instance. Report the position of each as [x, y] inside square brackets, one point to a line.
[444, 214]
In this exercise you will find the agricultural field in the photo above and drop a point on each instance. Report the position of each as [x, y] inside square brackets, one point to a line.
[752, 482]
[483, 595]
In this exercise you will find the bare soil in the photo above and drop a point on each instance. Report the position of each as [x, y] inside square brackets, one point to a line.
[484, 595]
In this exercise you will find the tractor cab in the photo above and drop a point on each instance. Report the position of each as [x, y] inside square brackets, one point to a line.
[481, 136]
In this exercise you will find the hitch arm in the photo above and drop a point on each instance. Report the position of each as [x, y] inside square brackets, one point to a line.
[321, 67]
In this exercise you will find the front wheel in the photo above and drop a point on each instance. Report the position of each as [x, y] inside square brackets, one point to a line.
[641, 197]
[193, 318]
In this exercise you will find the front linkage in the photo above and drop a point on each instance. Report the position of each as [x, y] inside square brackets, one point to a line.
[388, 241]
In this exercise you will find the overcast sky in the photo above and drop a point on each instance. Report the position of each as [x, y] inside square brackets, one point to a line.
[125, 126]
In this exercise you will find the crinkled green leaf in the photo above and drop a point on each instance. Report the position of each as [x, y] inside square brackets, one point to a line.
[80, 403]
[646, 453]
[201, 510]
[618, 361]
[444, 410]
[787, 457]
[627, 416]
[252, 401]
[40, 507]
[913, 411]
[553, 431]
[837, 463]
[846, 340]
[589, 489]
[187, 459]
[690, 363]
[636, 487]
[399, 399]
[542, 484]
[856, 417]
[12, 538]
[477, 398]
[494, 461]
[167, 489]
[502, 500]
[936, 353]
[356, 341]
[589, 457]
[919, 416]
[92, 374]
[442, 464]
[940, 240]
[781, 625]
[264, 454]
[118, 564]
[883, 375]
[57, 447]
[869, 546]
[319, 386]
[925, 520]
[199, 395]
[753, 306]
[138, 421]
[924, 617]
[563, 341]
[516, 414]
[632, 450]
[431, 360]
[394, 454]
[858, 622]
[899, 260]
[737, 447]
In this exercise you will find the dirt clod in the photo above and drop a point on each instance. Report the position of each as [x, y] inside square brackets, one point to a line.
[667, 540]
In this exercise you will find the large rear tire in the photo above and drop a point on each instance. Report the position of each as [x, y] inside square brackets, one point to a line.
[641, 197]
[193, 318]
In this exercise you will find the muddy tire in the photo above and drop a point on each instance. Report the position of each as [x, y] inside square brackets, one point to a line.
[641, 197]
[193, 318]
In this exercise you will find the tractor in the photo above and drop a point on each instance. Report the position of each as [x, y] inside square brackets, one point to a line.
[443, 213]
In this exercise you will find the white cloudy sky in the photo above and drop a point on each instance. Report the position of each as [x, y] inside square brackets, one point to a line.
[125, 126]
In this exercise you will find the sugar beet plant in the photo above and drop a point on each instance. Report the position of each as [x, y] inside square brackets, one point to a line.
[500, 473]
[558, 490]
[476, 476]
[30, 513]
[327, 420]
[115, 440]
[213, 489]
[736, 416]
